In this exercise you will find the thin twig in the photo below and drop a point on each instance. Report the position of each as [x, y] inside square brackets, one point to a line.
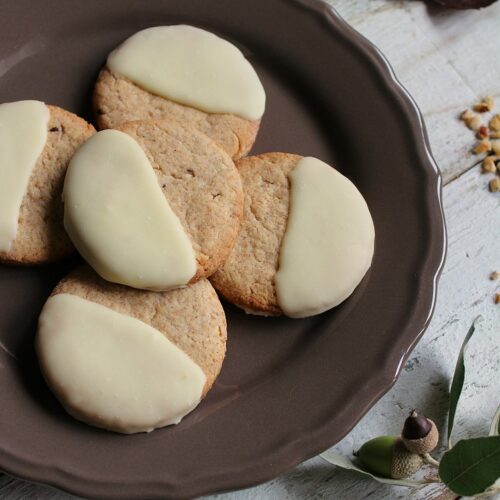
[429, 460]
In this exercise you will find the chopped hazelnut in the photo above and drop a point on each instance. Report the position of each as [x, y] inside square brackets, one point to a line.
[495, 123]
[494, 276]
[483, 132]
[486, 104]
[495, 146]
[467, 115]
[482, 147]
[497, 298]
[495, 185]
[489, 164]
[472, 120]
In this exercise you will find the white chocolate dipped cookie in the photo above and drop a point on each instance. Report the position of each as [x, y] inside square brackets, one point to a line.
[130, 360]
[306, 241]
[182, 74]
[36, 144]
[152, 205]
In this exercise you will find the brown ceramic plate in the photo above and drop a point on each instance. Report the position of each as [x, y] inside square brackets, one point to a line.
[289, 388]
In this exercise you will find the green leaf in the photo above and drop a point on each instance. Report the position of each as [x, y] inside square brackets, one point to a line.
[495, 424]
[458, 381]
[346, 463]
[471, 466]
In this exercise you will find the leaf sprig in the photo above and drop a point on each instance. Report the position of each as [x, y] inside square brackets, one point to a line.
[470, 468]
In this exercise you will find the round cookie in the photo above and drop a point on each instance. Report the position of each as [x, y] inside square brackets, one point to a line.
[200, 183]
[247, 277]
[307, 239]
[117, 100]
[40, 235]
[191, 318]
[185, 74]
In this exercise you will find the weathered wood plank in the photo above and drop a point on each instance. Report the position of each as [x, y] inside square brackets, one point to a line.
[444, 58]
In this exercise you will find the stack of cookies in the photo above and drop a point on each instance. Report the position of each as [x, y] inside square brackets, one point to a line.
[164, 205]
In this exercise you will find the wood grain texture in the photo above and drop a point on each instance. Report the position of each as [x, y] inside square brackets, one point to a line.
[446, 60]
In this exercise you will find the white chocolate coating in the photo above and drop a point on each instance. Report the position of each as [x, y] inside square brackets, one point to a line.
[328, 243]
[193, 67]
[119, 219]
[114, 371]
[23, 134]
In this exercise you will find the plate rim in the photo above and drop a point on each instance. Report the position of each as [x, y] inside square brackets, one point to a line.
[316, 441]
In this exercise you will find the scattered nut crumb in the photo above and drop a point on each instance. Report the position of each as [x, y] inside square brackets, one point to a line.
[489, 164]
[491, 148]
[495, 123]
[483, 132]
[472, 120]
[494, 185]
[467, 115]
[482, 147]
[474, 123]
[495, 275]
[495, 146]
[486, 104]
[497, 298]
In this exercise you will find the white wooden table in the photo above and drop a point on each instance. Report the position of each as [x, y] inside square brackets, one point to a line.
[447, 60]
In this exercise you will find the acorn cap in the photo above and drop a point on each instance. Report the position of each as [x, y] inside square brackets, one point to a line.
[387, 456]
[404, 462]
[425, 444]
[420, 434]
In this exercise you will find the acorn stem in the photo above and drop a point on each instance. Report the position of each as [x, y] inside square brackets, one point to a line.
[431, 481]
[429, 460]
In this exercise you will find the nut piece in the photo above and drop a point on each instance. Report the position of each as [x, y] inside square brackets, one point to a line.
[497, 298]
[495, 134]
[495, 185]
[495, 146]
[419, 434]
[486, 104]
[494, 276]
[482, 147]
[489, 164]
[466, 115]
[387, 456]
[495, 123]
[472, 120]
[483, 132]
[404, 462]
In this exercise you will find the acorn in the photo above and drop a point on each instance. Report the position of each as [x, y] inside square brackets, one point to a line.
[387, 456]
[420, 434]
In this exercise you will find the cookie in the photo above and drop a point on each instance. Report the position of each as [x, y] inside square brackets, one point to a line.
[306, 241]
[153, 205]
[182, 74]
[130, 360]
[40, 236]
